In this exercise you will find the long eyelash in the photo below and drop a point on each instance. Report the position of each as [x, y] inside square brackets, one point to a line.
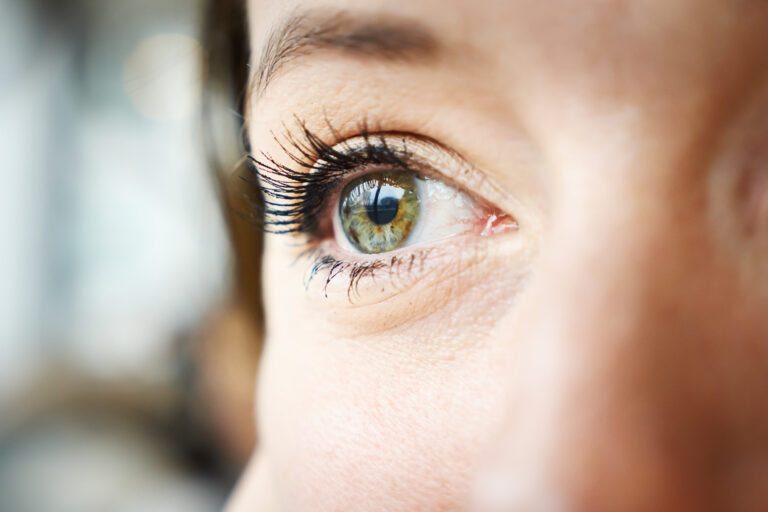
[295, 196]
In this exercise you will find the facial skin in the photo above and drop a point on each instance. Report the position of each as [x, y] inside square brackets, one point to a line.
[611, 353]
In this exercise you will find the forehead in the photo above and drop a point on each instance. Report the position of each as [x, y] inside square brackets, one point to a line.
[629, 45]
[489, 22]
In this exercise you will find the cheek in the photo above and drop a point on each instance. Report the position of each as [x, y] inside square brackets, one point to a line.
[344, 427]
[354, 417]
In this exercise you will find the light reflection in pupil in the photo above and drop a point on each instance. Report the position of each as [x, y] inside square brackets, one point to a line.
[382, 205]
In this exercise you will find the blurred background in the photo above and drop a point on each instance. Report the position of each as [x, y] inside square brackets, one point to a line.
[115, 267]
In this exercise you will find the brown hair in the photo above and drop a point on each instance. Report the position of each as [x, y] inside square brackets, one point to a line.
[226, 79]
[230, 346]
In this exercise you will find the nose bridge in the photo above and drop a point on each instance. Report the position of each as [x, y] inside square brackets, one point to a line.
[611, 290]
[595, 375]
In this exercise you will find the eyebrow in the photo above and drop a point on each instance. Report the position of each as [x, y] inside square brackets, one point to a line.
[386, 38]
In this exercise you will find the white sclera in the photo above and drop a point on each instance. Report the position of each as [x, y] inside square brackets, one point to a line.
[446, 211]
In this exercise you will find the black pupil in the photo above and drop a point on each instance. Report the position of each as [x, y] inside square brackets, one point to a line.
[382, 204]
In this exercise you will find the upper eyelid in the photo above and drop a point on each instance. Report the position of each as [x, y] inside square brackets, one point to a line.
[427, 156]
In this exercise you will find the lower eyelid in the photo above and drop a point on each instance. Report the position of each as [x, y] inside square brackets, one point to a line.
[362, 280]
[359, 279]
[440, 275]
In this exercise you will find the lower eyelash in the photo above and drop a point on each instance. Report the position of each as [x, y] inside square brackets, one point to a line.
[325, 264]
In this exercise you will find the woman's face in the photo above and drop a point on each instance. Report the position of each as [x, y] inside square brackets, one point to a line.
[526, 265]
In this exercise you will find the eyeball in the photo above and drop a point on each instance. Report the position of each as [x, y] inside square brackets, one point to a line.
[382, 211]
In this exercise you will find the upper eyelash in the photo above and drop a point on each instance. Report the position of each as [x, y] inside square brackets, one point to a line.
[293, 199]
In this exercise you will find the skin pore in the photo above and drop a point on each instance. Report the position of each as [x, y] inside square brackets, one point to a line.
[609, 353]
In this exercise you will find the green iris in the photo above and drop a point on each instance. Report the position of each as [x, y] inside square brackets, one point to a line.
[378, 210]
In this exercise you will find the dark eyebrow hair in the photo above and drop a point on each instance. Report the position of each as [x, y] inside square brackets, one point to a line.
[303, 34]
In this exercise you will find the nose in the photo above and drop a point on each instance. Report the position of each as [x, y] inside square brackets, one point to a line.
[632, 382]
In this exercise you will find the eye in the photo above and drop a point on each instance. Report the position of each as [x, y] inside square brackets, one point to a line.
[383, 211]
[373, 203]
